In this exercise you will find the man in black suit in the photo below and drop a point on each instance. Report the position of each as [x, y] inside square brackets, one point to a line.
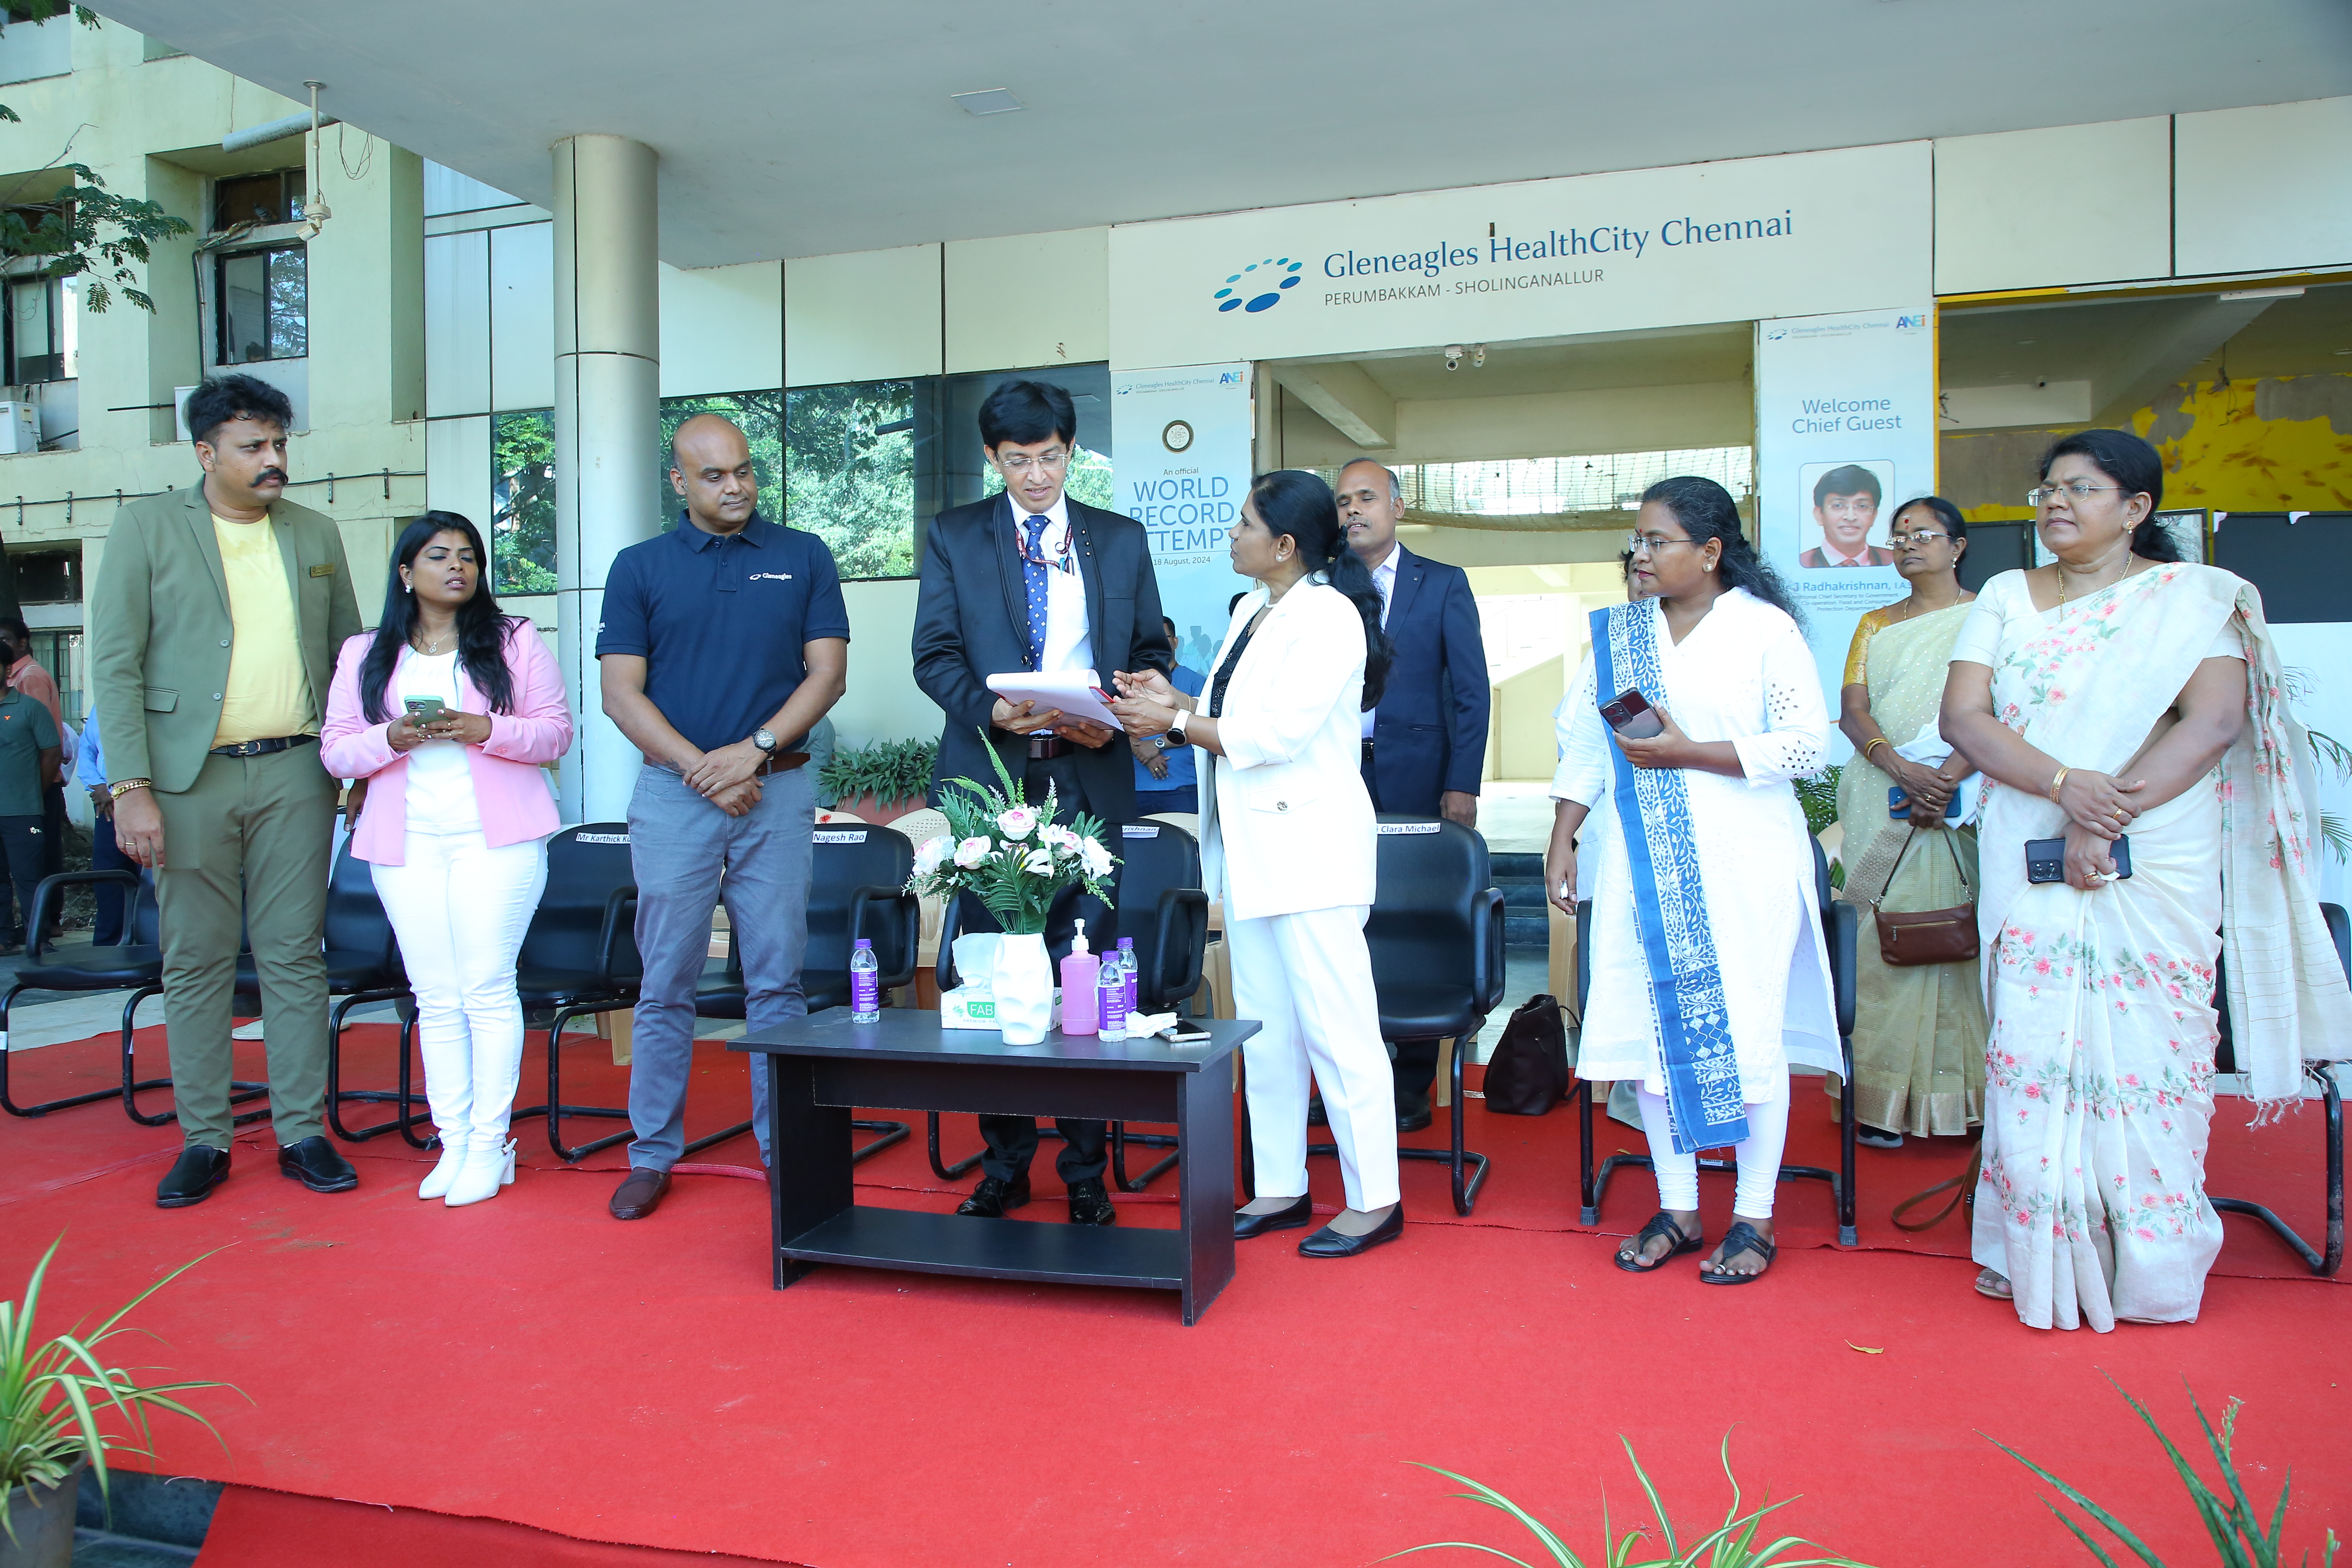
[1425, 745]
[1030, 579]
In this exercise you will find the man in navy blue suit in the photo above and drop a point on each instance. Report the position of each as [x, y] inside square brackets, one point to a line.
[1031, 580]
[1425, 745]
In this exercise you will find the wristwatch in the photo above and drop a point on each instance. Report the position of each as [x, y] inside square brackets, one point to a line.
[1161, 742]
[765, 739]
[1176, 734]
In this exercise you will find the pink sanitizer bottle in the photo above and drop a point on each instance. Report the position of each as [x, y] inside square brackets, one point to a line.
[1078, 976]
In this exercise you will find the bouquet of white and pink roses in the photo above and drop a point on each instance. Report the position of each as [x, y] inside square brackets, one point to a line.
[1009, 855]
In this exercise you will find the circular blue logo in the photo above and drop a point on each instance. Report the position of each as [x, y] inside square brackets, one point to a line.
[1263, 292]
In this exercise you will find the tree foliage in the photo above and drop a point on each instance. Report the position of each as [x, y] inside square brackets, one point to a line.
[849, 473]
[84, 228]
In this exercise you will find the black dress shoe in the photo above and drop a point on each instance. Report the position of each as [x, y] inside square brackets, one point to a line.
[199, 1169]
[1315, 1117]
[1413, 1110]
[314, 1162]
[1090, 1203]
[1330, 1243]
[1298, 1217]
[994, 1198]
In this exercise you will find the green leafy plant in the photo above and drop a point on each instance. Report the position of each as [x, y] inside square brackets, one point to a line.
[2239, 1538]
[887, 770]
[53, 1394]
[1731, 1545]
[1818, 796]
[1010, 855]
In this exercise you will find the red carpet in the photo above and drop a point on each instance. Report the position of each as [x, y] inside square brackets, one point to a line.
[530, 1361]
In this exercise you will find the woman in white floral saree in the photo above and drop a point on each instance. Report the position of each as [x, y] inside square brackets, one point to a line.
[2123, 693]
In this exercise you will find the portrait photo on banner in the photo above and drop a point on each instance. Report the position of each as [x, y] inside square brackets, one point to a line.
[1846, 506]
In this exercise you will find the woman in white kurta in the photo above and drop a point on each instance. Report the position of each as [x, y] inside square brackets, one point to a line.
[1704, 899]
[1287, 841]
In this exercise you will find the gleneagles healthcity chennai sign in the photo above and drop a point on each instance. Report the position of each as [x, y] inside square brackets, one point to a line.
[1797, 234]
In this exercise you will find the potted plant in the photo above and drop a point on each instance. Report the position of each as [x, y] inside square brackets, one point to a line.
[881, 780]
[53, 1397]
[1013, 858]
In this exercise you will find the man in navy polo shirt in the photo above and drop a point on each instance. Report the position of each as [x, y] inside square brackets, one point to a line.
[722, 643]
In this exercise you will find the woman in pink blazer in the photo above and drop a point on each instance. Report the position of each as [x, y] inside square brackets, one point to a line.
[445, 713]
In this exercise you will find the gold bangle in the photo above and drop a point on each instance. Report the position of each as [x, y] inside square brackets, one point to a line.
[116, 791]
[1865, 751]
[2056, 783]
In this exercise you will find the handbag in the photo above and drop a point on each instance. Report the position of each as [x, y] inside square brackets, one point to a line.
[1528, 1074]
[1930, 936]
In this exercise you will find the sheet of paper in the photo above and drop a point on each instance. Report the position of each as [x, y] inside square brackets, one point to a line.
[1073, 693]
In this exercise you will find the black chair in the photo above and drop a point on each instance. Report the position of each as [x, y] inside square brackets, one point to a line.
[579, 958]
[1160, 907]
[2225, 1059]
[1436, 938]
[857, 888]
[1841, 923]
[363, 965]
[136, 966]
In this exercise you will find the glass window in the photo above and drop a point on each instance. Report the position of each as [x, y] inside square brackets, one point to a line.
[1539, 487]
[263, 302]
[35, 348]
[522, 515]
[60, 653]
[849, 473]
[273, 197]
[758, 415]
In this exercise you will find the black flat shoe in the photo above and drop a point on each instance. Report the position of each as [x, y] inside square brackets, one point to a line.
[199, 1169]
[993, 1199]
[1741, 1237]
[1090, 1203]
[1662, 1224]
[314, 1162]
[1298, 1217]
[1330, 1243]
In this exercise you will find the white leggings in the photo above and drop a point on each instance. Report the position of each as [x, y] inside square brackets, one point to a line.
[459, 908]
[1760, 1155]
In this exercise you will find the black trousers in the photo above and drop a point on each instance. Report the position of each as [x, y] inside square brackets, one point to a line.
[1013, 1139]
[106, 855]
[53, 829]
[1412, 1063]
[21, 839]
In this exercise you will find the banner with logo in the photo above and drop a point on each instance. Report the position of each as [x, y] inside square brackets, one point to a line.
[1180, 463]
[1737, 240]
[1845, 433]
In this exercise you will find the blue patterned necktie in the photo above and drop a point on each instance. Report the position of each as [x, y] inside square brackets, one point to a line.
[1032, 572]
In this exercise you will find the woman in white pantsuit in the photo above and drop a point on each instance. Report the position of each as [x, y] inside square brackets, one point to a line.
[1287, 841]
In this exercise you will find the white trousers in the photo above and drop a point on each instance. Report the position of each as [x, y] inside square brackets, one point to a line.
[461, 908]
[1760, 1155]
[1307, 980]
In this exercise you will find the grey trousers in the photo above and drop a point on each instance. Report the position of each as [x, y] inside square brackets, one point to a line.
[689, 857]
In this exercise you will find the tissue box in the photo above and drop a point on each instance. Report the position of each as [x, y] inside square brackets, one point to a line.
[968, 1007]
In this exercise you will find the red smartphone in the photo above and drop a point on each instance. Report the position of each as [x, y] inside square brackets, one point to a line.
[1629, 714]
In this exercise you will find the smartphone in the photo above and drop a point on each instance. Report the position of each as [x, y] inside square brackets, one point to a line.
[1185, 1035]
[2045, 858]
[1629, 713]
[1898, 804]
[423, 709]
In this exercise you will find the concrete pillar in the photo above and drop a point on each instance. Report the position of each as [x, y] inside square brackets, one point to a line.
[607, 429]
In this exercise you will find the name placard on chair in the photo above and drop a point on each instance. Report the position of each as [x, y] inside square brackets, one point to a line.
[1140, 830]
[838, 836]
[1408, 827]
[602, 838]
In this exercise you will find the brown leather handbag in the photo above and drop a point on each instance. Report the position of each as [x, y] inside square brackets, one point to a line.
[1930, 936]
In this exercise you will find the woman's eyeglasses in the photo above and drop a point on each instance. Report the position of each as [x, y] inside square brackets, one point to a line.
[1648, 543]
[2079, 490]
[1899, 539]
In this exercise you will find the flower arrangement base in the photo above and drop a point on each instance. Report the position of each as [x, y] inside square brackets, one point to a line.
[1024, 987]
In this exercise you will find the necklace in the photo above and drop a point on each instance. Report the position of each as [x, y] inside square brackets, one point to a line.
[433, 645]
[2131, 564]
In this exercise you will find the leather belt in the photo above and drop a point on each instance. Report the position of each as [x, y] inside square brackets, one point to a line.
[263, 748]
[1044, 746]
[779, 763]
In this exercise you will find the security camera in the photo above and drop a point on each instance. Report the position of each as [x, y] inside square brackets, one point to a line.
[1478, 357]
[1454, 356]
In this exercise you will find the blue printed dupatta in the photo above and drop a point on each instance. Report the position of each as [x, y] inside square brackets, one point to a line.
[1702, 1072]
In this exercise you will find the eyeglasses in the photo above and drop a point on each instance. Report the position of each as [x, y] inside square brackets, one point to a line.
[1021, 462]
[1899, 540]
[1649, 544]
[2050, 495]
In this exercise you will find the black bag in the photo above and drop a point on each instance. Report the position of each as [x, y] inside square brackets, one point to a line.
[1528, 1074]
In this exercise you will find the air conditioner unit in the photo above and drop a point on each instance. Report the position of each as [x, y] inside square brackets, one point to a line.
[20, 427]
[180, 411]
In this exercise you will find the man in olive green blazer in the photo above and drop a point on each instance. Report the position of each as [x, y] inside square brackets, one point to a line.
[215, 618]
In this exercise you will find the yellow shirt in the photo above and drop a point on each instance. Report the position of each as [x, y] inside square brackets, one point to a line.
[267, 693]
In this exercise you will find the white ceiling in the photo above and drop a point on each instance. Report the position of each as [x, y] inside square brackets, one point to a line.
[791, 127]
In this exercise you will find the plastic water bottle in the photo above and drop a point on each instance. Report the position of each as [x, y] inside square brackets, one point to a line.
[1128, 966]
[865, 985]
[1111, 990]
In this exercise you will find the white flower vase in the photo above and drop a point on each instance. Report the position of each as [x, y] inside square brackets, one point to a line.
[1024, 986]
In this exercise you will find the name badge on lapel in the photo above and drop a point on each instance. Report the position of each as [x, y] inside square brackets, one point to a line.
[328, 569]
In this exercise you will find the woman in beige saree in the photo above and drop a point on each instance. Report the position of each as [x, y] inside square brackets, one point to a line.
[1919, 1029]
[2123, 693]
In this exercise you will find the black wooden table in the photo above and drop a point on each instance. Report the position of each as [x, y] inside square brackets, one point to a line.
[824, 1066]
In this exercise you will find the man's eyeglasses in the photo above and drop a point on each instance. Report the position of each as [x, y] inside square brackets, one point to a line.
[1648, 543]
[1021, 462]
[2051, 495]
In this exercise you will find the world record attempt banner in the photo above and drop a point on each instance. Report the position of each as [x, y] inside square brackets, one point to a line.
[1181, 466]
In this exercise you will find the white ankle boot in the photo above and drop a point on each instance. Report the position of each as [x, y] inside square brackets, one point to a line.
[453, 1155]
[484, 1172]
